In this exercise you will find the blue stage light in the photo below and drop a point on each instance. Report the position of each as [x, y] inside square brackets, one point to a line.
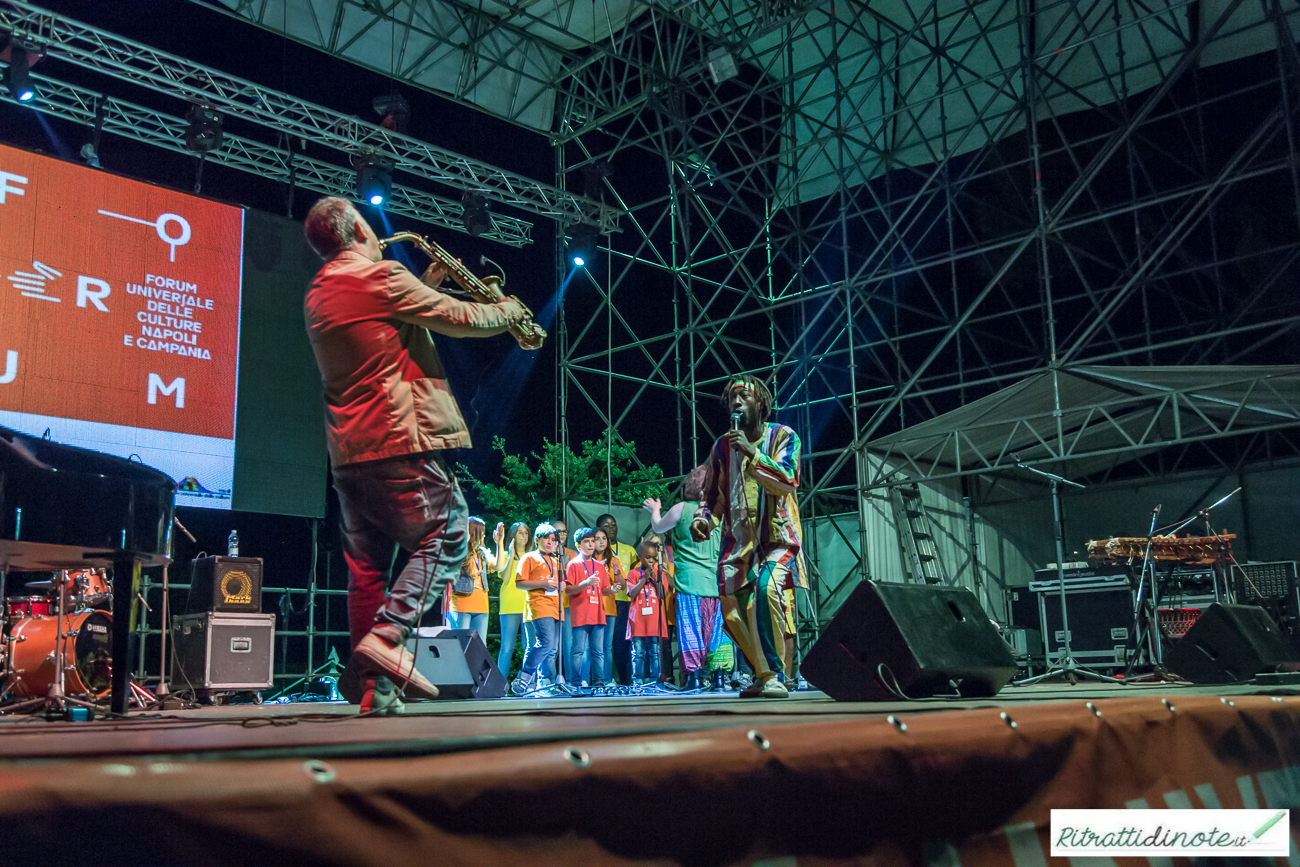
[374, 179]
[16, 78]
[581, 244]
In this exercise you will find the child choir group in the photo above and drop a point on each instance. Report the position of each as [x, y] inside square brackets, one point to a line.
[598, 613]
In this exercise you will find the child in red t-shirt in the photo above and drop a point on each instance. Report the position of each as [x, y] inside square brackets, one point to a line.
[586, 584]
[645, 623]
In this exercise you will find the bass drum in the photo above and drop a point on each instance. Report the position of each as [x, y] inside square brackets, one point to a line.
[87, 654]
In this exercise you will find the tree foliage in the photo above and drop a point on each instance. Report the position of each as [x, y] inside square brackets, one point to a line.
[532, 487]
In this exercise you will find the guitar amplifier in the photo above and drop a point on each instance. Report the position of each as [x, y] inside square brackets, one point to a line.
[226, 584]
[218, 650]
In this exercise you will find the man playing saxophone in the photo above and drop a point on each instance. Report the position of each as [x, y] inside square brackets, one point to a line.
[389, 417]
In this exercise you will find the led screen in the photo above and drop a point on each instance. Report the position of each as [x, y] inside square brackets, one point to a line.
[119, 319]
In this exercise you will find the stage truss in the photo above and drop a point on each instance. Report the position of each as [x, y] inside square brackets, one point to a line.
[896, 207]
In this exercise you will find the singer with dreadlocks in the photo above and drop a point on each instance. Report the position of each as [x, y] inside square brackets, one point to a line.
[749, 491]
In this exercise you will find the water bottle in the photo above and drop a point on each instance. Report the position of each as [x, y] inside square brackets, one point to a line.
[232, 544]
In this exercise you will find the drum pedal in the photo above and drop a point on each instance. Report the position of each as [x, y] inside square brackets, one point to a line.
[78, 714]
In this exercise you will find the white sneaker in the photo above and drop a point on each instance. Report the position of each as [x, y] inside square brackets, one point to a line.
[770, 688]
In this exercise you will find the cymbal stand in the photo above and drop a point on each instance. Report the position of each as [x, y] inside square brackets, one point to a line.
[1066, 666]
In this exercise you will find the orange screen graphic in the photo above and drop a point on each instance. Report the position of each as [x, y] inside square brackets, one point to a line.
[119, 301]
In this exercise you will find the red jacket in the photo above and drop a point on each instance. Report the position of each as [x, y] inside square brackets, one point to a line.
[386, 394]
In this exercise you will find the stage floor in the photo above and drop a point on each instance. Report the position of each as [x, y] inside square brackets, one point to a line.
[335, 729]
[695, 779]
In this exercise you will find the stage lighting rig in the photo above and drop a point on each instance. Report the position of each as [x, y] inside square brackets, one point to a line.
[374, 179]
[581, 247]
[18, 80]
[394, 111]
[203, 132]
[474, 214]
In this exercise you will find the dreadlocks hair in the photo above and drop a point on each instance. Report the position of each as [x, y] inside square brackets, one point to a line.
[760, 391]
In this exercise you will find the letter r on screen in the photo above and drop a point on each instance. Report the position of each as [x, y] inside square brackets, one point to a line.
[176, 386]
[93, 290]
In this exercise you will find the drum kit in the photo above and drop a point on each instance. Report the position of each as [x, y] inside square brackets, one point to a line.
[57, 645]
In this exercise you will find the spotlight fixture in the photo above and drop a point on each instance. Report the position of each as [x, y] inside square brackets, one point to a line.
[394, 110]
[474, 214]
[374, 179]
[581, 244]
[203, 132]
[18, 80]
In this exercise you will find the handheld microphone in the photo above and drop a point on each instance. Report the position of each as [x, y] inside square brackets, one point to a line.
[735, 421]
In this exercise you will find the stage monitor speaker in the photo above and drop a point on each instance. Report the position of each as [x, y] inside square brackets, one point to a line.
[455, 660]
[1229, 644]
[226, 584]
[891, 640]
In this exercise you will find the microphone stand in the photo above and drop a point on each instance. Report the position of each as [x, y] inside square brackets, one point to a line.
[1154, 650]
[1228, 595]
[163, 691]
[1065, 664]
[661, 590]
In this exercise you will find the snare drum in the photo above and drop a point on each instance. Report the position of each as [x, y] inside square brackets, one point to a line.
[29, 606]
[87, 654]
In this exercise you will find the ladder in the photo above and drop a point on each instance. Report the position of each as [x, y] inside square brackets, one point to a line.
[916, 545]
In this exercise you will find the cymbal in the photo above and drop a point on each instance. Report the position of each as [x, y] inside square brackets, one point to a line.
[40, 585]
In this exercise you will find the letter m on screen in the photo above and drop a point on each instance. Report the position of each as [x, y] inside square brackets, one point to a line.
[176, 386]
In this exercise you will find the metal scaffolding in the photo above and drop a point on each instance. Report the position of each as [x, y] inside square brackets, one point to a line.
[928, 209]
[894, 208]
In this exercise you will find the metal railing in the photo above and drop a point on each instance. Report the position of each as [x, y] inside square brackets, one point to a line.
[148, 625]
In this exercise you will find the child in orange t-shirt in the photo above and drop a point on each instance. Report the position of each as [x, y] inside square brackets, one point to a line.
[618, 583]
[587, 585]
[645, 625]
[470, 610]
[539, 575]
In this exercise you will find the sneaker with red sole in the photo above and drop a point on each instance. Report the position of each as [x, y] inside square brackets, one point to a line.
[377, 656]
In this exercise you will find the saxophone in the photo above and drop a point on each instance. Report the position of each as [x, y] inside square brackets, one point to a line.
[485, 291]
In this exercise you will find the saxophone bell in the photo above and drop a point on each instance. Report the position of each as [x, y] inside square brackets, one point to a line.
[485, 291]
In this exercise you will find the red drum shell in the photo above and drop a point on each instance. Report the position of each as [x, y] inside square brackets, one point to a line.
[87, 661]
[28, 606]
